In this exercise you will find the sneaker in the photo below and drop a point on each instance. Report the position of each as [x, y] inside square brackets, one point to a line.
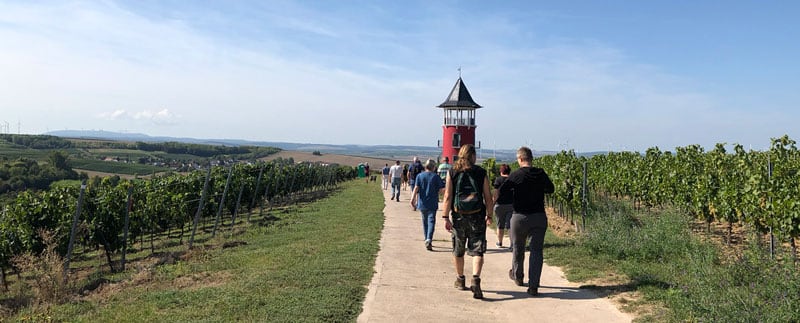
[460, 283]
[477, 293]
[498, 244]
[392, 198]
[428, 245]
[533, 291]
[516, 280]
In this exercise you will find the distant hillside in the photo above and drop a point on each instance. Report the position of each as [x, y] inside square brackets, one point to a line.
[378, 151]
[357, 150]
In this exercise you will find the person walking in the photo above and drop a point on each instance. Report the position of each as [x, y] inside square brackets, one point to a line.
[414, 170]
[503, 205]
[396, 173]
[426, 198]
[385, 173]
[444, 167]
[366, 171]
[468, 210]
[405, 176]
[527, 186]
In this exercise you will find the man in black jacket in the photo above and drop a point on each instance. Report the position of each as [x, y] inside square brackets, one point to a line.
[529, 222]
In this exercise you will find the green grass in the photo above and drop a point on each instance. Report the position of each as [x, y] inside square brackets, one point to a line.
[679, 276]
[13, 152]
[302, 264]
[134, 154]
[115, 167]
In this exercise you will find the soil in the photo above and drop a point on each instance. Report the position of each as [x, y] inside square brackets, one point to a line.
[375, 163]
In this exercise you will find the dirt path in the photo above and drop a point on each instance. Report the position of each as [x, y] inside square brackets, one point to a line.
[411, 284]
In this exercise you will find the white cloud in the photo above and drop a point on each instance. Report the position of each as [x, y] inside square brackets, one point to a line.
[162, 117]
[111, 115]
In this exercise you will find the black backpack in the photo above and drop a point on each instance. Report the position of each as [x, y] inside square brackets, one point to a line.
[468, 196]
[415, 170]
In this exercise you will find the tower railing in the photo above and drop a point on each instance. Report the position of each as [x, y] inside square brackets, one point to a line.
[459, 122]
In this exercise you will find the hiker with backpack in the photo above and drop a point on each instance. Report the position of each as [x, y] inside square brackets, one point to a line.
[468, 210]
[426, 198]
[414, 170]
[527, 185]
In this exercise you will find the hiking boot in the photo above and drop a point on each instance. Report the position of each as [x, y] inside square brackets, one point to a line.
[477, 293]
[460, 283]
[516, 280]
[533, 291]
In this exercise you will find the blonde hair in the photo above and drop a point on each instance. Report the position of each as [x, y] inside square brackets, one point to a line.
[430, 165]
[466, 158]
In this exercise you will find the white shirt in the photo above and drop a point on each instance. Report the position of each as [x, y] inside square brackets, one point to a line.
[396, 171]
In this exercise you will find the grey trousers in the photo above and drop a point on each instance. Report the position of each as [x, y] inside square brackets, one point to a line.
[528, 228]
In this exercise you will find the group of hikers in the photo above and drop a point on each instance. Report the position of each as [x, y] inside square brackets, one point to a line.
[407, 173]
[469, 206]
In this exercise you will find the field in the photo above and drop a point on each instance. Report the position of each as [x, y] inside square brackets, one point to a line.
[375, 163]
[112, 167]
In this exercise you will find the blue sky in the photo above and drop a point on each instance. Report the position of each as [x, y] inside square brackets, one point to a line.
[583, 75]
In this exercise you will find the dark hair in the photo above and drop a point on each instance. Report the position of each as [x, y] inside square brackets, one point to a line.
[505, 169]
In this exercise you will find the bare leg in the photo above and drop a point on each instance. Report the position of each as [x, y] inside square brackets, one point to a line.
[459, 262]
[477, 265]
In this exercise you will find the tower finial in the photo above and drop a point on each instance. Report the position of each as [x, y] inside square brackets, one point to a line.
[459, 72]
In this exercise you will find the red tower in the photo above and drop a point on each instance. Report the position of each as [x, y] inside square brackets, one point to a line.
[459, 120]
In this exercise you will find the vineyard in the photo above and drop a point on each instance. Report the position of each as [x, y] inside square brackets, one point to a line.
[757, 188]
[114, 213]
[701, 235]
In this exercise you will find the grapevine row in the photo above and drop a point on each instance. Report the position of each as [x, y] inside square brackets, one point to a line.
[760, 188]
[154, 206]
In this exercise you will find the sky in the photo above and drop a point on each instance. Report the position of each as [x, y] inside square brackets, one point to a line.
[551, 75]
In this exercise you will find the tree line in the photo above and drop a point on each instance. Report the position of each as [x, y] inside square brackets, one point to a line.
[25, 173]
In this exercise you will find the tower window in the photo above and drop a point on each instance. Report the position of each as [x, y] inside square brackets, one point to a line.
[456, 140]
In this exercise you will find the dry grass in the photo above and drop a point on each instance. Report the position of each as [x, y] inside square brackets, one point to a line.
[44, 274]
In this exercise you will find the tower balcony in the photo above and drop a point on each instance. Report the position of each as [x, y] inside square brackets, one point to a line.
[459, 122]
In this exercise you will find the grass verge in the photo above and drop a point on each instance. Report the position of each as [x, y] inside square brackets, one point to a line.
[678, 276]
[306, 264]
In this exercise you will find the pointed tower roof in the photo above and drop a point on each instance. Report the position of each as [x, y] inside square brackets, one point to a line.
[459, 97]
